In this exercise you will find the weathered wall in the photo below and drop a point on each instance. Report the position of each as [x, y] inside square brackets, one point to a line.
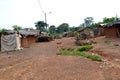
[26, 42]
[31, 39]
[110, 32]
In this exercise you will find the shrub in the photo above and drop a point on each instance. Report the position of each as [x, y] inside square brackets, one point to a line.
[84, 48]
[75, 33]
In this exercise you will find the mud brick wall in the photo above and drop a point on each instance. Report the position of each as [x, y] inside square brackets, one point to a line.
[29, 40]
[110, 32]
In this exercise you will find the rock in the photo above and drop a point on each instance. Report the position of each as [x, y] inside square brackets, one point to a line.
[83, 42]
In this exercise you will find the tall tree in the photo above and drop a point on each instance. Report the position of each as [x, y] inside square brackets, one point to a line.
[64, 27]
[52, 30]
[40, 25]
[16, 27]
[88, 21]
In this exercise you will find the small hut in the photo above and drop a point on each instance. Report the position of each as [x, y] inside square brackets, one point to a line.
[112, 30]
[28, 37]
[91, 32]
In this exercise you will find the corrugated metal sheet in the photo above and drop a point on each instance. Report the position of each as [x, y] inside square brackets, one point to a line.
[113, 24]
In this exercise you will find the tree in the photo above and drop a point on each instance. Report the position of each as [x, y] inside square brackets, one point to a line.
[105, 20]
[64, 27]
[108, 20]
[82, 25]
[16, 27]
[3, 30]
[72, 28]
[88, 21]
[52, 30]
[40, 25]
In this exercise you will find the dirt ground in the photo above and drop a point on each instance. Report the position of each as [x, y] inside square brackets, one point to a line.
[40, 62]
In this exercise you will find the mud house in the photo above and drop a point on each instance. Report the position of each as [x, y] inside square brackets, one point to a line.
[112, 30]
[10, 40]
[91, 32]
[28, 37]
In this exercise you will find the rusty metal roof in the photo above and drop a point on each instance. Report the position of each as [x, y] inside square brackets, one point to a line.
[113, 24]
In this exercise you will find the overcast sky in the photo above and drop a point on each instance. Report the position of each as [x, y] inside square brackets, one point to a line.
[26, 12]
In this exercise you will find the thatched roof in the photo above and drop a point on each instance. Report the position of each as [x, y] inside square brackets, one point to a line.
[27, 33]
[24, 32]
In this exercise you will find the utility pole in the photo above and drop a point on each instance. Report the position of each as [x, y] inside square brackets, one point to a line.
[45, 15]
[45, 20]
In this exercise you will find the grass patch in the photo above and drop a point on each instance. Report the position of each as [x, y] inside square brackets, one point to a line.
[70, 49]
[65, 52]
[93, 57]
[79, 52]
[85, 48]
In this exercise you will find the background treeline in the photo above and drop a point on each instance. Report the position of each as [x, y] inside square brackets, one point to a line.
[65, 27]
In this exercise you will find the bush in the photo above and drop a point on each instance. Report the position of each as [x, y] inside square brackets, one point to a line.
[75, 33]
[84, 48]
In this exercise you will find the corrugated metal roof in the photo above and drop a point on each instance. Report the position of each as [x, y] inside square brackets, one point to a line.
[113, 24]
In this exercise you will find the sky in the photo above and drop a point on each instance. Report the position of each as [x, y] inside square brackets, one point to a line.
[26, 12]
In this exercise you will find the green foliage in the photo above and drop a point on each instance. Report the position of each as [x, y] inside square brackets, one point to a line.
[70, 49]
[3, 31]
[64, 27]
[65, 52]
[80, 53]
[88, 21]
[40, 25]
[74, 28]
[73, 51]
[95, 25]
[16, 27]
[75, 33]
[93, 57]
[52, 30]
[108, 20]
[84, 48]
[105, 20]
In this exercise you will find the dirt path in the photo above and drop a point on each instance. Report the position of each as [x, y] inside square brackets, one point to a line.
[40, 62]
